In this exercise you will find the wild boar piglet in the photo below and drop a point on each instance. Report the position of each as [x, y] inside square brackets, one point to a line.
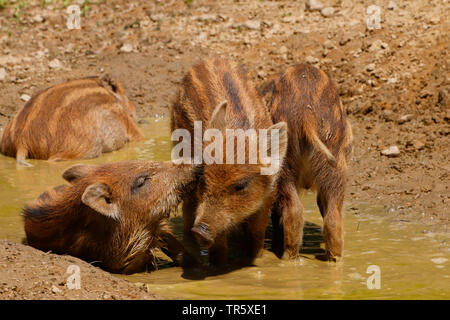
[218, 95]
[114, 214]
[79, 119]
[319, 143]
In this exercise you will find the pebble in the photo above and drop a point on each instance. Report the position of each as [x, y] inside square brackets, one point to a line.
[313, 5]
[327, 12]
[253, 24]
[157, 17]
[392, 151]
[25, 97]
[55, 64]
[55, 289]
[283, 50]
[405, 118]
[311, 60]
[392, 5]
[417, 144]
[377, 45]
[370, 67]
[328, 44]
[387, 115]
[435, 20]
[207, 17]
[126, 48]
[2, 74]
[38, 18]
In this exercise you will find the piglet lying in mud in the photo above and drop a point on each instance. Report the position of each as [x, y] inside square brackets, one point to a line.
[319, 142]
[114, 214]
[73, 120]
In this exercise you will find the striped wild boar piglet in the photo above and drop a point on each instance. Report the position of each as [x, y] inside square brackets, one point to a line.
[217, 94]
[319, 142]
[79, 119]
[114, 214]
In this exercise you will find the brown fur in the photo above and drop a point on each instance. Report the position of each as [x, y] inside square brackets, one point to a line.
[227, 194]
[73, 120]
[319, 142]
[139, 196]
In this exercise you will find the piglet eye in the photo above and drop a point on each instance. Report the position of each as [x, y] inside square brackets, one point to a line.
[139, 182]
[241, 185]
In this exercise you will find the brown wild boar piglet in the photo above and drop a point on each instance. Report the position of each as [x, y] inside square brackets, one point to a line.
[78, 119]
[319, 142]
[219, 93]
[114, 214]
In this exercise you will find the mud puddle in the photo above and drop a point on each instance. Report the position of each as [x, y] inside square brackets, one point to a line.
[412, 261]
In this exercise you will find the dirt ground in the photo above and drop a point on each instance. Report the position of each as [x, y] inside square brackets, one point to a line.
[394, 81]
[46, 276]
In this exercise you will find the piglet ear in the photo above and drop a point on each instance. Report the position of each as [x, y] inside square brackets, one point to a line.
[77, 171]
[218, 116]
[98, 197]
[111, 83]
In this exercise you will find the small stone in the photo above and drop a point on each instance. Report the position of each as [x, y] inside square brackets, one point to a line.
[253, 24]
[435, 20]
[370, 67]
[55, 289]
[327, 12]
[377, 45]
[416, 144]
[344, 40]
[2, 74]
[283, 50]
[207, 17]
[392, 5]
[55, 64]
[405, 118]
[328, 44]
[311, 60]
[38, 18]
[157, 17]
[126, 48]
[392, 151]
[392, 80]
[25, 97]
[313, 5]
[387, 115]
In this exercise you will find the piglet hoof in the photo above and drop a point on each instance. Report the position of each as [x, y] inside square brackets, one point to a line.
[332, 257]
[188, 261]
[194, 272]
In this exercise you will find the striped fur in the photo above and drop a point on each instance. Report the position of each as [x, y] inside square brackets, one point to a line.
[319, 142]
[73, 120]
[229, 194]
[62, 221]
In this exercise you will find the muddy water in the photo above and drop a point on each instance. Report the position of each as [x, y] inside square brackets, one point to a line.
[413, 261]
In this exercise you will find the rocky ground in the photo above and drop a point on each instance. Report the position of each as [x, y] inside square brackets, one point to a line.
[394, 80]
[49, 276]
